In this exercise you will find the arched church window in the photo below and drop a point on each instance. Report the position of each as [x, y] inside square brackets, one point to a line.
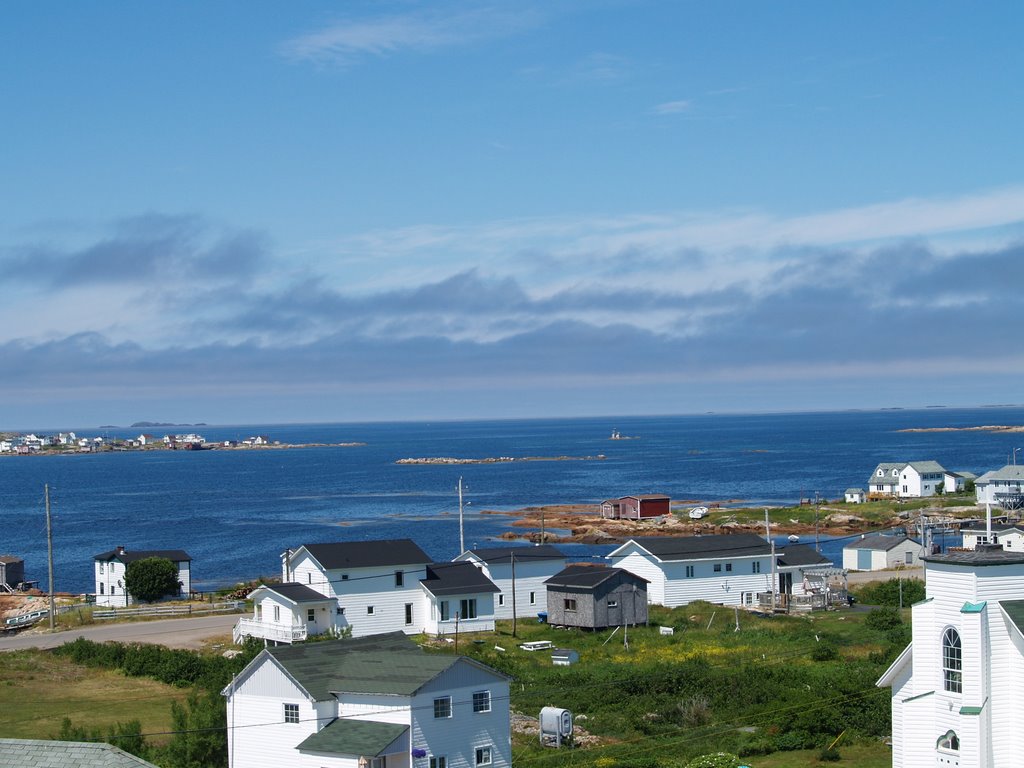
[949, 741]
[952, 661]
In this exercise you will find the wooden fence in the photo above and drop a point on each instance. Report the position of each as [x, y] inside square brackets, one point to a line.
[169, 610]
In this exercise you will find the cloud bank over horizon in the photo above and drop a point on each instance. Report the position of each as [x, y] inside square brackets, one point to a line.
[158, 305]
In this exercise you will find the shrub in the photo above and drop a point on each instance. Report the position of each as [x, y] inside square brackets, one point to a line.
[151, 578]
[888, 592]
[829, 755]
[825, 652]
[883, 619]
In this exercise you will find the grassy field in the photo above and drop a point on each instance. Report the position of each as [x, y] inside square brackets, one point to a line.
[39, 689]
[780, 685]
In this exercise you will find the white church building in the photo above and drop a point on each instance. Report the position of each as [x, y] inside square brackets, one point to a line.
[958, 688]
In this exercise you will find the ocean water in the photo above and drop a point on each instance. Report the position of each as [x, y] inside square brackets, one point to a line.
[235, 511]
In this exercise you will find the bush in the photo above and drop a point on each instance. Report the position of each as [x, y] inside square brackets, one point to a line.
[825, 652]
[829, 755]
[151, 578]
[888, 592]
[883, 619]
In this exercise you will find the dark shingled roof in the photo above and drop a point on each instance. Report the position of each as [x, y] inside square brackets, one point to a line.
[801, 554]
[297, 593]
[589, 576]
[130, 556]
[523, 554]
[36, 753]
[983, 555]
[366, 554]
[700, 547]
[389, 664]
[879, 542]
[1015, 610]
[459, 578]
[354, 737]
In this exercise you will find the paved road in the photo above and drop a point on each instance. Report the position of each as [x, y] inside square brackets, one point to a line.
[174, 633]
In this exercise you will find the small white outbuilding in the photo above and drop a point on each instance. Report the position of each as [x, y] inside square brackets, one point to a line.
[879, 552]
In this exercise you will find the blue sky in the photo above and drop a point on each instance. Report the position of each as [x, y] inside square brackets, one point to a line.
[252, 212]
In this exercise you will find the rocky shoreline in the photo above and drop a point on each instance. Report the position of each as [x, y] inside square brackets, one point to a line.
[586, 526]
[497, 459]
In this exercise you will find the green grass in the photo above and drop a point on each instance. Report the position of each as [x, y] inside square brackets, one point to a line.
[865, 754]
[38, 690]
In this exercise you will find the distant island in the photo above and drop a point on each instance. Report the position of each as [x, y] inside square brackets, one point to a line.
[497, 459]
[159, 424]
[984, 428]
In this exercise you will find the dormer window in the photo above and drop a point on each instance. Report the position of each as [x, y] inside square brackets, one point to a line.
[880, 473]
[895, 473]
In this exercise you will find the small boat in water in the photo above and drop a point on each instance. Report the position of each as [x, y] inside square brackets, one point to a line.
[793, 538]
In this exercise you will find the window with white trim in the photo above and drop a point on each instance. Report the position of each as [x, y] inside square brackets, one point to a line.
[445, 611]
[443, 706]
[399, 578]
[438, 761]
[613, 603]
[467, 608]
[756, 566]
[291, 713]
[501, 599]
[311, 614]
[369, 610]
[952, 661]
[408, 613]
[689, 571]
[533, 598]
[483, 755]
[570, 603]
[481, 701]
[277, 613]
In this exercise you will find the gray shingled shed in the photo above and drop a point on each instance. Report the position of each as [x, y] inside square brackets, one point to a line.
[596, 596]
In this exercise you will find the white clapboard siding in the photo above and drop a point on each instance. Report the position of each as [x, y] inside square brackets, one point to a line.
[458, 737]
[530, 578]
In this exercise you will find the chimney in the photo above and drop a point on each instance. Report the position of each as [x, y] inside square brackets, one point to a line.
[120, 550]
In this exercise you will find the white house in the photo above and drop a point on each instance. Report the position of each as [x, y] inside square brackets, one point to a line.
[1007, 536]
[372, 702]
[24, 753]
[1002, 487]
[855, 496]
[532, 565]
[956, 689]
[956, 482]
[877, 553]
[729, 569]
[385, 586]
[803, 571]
[109, 568]
[286, 613]
[456, 597]
[906, 479]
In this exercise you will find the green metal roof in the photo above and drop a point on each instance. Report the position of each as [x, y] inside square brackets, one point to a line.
[354, 737]
[1015, 611]
[389, 664]
[973, 607]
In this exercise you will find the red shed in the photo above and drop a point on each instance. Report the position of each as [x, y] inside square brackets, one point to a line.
[637, 507]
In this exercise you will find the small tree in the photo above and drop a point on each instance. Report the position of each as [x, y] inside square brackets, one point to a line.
[151, 578]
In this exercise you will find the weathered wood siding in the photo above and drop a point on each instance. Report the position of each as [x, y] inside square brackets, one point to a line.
[593, 606]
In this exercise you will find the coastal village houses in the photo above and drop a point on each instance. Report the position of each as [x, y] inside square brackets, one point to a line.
[530, 567]
[373, 587]
[956, 689]
[372, 702]
[1006, 535]
[109, 569]
[906, 480]
[1002, 487]
[730, 569]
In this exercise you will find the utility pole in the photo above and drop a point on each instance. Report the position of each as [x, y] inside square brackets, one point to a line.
[462, 538]
[817, 541]
[542, 525]
[49, 555]
[768, 531]
[513, 557]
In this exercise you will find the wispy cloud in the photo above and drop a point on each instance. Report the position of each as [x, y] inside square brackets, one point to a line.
[346, 41]
[671, 107]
